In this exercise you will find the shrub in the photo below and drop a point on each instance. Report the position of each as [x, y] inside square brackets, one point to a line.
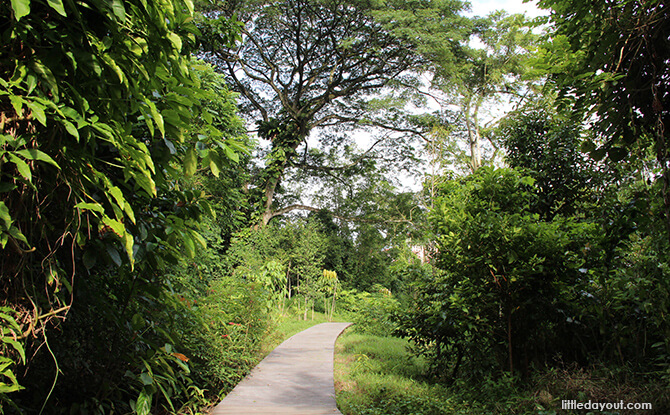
[499, 299]
[372, 313]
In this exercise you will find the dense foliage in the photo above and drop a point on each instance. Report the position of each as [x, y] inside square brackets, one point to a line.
[309, 67]
[104, 115]
[610, 60]
[150, 245]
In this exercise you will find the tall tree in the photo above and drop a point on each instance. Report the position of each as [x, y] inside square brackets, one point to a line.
[472, 64]
[547, 147]
[491, 73]
[305, 65]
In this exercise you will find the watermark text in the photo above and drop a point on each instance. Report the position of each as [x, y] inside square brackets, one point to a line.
[604, 406]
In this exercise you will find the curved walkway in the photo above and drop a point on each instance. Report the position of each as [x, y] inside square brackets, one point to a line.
[295, 378]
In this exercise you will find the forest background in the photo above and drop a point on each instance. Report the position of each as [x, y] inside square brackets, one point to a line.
[180, 177]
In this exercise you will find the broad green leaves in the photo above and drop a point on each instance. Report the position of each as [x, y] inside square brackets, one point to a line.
[7, 229]
[103, 117]
[9, 345]
[21, 8]
[190, 162]
[58, 6]
[501, 268]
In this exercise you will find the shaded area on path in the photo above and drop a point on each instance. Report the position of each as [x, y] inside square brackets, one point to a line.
[295, 378]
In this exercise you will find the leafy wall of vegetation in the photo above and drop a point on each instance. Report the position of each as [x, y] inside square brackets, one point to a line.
[146, 246]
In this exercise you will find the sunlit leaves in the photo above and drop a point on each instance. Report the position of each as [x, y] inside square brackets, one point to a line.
[21, 8]
[190, 162]
[119, 10]
[502, 268]
[104, 122]
[58, 6]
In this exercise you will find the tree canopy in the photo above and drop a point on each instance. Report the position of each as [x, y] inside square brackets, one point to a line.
[609, 60]
[178, 178]
[306, 65]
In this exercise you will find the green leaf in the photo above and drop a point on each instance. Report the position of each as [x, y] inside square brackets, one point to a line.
[16, 233]
[129, 212]
[47, 75]
[145, 181]
[58, 6]
[17, 346]
[114, 255]
[128, 242]
[190, 162]
[143, 405]
[146, 378]
[118, 10]
[23, 168]
[157, 117]
[116, 226]
[137, 322]
[199, 239]
[31, 83]
[189, 6]
[189, 245]
[35, 154]
[115, 67]
[71, 128]
[214, 167]
[231, 154]
[175, 40]
[148, 120]
[95, 207]
[527, 180]
[21, 8]
[7, 187]
[38, 111]
[89, 259]
[6, 315]
[5, 216]
[117, 194]
[17, 103]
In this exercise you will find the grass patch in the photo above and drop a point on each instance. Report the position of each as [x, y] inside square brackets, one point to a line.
[378, 376]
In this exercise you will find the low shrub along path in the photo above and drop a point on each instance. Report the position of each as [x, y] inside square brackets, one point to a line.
[295, 378]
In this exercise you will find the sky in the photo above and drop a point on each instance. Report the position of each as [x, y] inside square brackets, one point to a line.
[484, 7]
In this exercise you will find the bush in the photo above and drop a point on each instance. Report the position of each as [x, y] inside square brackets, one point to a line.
[372, 313]
[501, 297]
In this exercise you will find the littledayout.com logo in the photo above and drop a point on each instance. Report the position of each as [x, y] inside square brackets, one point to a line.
[603, 406]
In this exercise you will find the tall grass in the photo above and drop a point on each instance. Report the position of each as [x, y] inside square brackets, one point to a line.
[377, 375]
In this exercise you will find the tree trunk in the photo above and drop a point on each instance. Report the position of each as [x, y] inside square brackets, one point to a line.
[267, 214]
[473, 136]
[509, 341]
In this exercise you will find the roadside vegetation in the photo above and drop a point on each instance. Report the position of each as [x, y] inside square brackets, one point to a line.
[380, 375]
[181, 188]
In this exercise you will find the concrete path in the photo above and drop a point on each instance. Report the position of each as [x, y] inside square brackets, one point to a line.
[296, 378]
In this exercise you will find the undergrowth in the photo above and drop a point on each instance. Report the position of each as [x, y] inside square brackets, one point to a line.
[376, 375]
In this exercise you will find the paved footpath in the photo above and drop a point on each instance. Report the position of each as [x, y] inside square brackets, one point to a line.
[296, 378]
